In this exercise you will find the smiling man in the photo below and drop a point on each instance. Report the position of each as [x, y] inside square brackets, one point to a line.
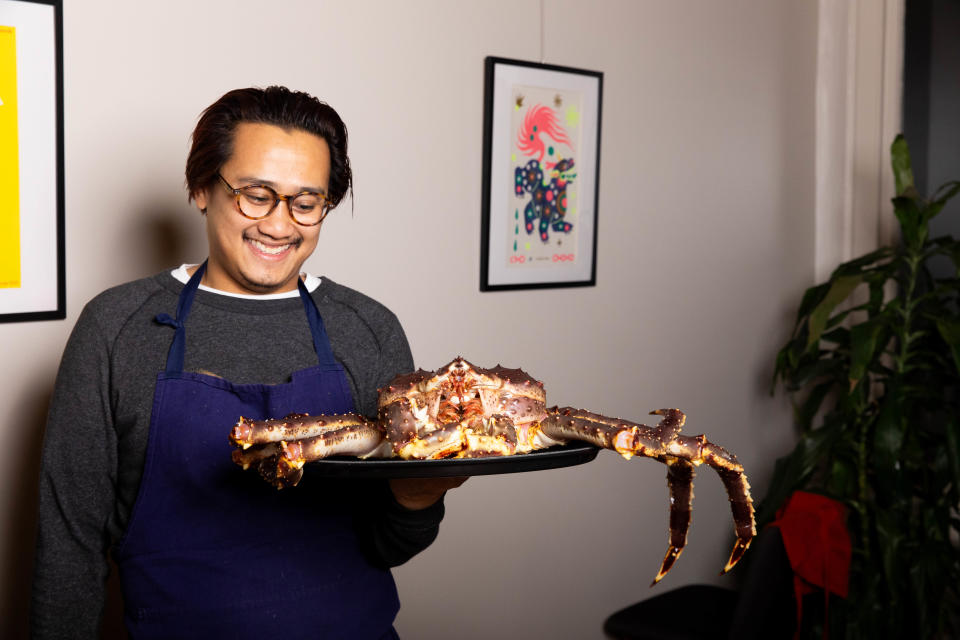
[136, 459]
[257, 252]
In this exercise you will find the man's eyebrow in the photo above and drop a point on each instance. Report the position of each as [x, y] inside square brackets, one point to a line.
[251, 180]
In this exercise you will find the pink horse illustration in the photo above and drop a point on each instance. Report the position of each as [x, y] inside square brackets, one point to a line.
[538, 121]
[547, 207]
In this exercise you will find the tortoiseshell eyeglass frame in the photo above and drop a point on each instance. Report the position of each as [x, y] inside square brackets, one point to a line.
[237, 193]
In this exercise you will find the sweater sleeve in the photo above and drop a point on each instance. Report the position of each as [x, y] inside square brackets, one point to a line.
[76, 491]
[390, 533]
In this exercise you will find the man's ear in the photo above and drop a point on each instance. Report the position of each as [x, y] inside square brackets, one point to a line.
[200, 198]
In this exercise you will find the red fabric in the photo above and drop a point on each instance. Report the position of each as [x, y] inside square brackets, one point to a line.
[815, 537]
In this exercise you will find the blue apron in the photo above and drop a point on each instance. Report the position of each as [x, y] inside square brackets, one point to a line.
[212, 551]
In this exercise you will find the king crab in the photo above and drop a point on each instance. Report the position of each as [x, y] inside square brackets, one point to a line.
[463, 411]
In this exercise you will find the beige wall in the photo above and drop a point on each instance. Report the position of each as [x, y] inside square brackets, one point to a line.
[705, 243]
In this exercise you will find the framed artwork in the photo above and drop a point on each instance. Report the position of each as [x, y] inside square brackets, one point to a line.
[541, 166]
[31, 161]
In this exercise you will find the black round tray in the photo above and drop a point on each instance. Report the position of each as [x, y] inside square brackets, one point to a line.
[552, 458]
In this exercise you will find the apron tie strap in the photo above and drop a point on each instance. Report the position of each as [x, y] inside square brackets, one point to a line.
[179, 344]
[175, 354]
[167, 319]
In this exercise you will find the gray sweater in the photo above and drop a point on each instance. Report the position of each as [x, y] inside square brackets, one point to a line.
[96, 436]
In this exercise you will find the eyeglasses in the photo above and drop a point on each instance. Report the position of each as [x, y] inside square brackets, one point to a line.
[257, 201]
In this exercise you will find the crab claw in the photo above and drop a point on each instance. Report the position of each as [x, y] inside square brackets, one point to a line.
[672, 554]
[739, 549]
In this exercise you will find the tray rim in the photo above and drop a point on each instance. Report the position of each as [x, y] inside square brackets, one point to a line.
[568, 455]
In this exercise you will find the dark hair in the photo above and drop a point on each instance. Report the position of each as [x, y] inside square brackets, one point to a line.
[213, 136]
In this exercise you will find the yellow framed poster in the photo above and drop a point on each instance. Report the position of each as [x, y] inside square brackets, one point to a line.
[9, 162]
[31, 161]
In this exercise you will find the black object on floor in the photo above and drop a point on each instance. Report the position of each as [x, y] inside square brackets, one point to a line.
[763, 607]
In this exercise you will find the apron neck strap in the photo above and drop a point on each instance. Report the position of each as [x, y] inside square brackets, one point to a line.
[321, 342]
[175, 357]
[178, 346]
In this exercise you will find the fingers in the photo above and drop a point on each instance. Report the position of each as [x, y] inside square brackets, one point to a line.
[453, 483]
[420, 493]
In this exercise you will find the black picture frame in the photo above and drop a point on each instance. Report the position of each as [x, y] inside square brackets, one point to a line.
[522, 233]
[40, 293]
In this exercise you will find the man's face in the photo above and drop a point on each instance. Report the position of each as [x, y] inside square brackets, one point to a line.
[263, 256]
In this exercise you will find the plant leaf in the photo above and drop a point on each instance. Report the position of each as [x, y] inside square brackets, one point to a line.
[864, 264]
[950, 332]
[842, 479]
[877, 283]
[814, 369]
[792, 471]
[863, 345]
[900, 160]
[811, 298]
[779, 368]
[838, 336]
[909, 213]
[931, 210]
[952, 188]
[840, 289]
[807, 411]
[887, 442]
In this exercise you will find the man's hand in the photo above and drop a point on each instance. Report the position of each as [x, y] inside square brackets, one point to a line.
[420, 493]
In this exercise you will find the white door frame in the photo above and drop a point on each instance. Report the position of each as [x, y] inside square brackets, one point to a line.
[858, 114]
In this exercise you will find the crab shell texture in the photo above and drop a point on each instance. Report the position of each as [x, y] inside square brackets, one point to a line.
[463, 411]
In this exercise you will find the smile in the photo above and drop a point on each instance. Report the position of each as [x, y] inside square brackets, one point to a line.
[269, 250]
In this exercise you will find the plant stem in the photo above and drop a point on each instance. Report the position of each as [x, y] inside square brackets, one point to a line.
[900, 358]
[913, 261]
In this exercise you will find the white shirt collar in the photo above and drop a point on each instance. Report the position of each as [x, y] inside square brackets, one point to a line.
[311, 282]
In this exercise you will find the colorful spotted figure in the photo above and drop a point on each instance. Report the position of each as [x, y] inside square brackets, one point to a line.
[548, 202]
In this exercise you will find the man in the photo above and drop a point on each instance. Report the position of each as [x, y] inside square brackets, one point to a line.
[136, 461]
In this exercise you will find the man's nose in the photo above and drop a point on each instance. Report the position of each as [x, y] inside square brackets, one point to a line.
[280, 222]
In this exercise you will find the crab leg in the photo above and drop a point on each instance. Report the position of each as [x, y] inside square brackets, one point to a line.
[293, 427]
[352, 440]
[278, 474]
[254, 455]
[680, 474]
[278, 448]
[698, 450]
[738, 490]
[681, 453]
[441, 443]
[266, 460]
[625, 437]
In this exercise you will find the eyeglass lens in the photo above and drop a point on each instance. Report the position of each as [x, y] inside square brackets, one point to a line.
[259, 201]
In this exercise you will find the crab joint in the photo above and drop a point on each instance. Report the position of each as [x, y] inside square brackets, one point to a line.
[291, 454]
[240, 434]
[625, 442]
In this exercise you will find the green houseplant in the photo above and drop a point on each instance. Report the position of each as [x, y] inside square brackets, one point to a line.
[873, 366]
